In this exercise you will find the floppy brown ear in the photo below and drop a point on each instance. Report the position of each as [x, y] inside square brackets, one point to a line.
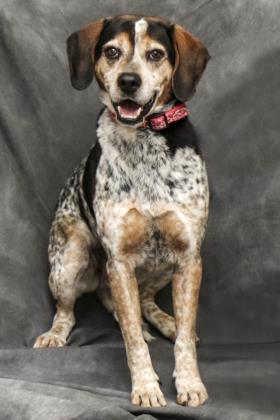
[80, 51]
[191, 58]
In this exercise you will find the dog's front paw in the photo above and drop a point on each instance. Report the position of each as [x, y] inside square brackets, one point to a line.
[190, 391]
[148, 395]
[49, 339]
[146, 391]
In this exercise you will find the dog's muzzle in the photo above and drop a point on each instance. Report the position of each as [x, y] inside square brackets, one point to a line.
[129, 83]
[131, 112]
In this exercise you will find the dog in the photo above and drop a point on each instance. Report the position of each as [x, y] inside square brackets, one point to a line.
[132, 216]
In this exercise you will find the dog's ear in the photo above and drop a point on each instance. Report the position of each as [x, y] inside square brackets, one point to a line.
[191, 57]
[80, 51]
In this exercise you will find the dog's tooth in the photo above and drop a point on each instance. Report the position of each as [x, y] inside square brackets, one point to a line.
[127, 116]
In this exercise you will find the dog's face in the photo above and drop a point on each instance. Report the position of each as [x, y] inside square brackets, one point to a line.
[139, 63]
[134, 65]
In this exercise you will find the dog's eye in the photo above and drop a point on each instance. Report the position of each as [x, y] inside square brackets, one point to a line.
[155, 55]
[112, 53]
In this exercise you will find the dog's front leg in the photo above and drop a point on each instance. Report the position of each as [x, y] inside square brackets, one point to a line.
[186, 285]
[123, 283]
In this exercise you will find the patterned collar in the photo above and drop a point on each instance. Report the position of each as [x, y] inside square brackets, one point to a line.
[162, 120]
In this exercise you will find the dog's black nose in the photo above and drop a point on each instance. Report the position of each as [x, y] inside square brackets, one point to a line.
[129, 82]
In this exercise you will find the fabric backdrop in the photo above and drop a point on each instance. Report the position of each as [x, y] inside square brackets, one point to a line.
[47, 127]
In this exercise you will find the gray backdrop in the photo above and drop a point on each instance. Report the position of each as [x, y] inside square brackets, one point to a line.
[47, 127]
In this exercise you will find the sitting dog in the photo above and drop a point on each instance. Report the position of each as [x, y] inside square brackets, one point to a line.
[133, 214]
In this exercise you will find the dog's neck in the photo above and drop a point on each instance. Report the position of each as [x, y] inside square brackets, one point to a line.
[117, 139]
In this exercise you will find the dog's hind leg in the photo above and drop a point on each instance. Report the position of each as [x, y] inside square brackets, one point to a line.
[104, 294]
[162, 321]
[73, 272]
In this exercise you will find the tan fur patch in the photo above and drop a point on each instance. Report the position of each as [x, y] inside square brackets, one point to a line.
[103, 65]
[173, 229]
[136, 232]
[75, 236]
[162, 71]
[62, 228]
[166, 91]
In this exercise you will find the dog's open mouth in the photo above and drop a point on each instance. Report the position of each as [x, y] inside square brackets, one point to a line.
[130, 112]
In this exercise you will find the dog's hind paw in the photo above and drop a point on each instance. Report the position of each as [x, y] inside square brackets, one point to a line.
[49, 339]
[148, 337]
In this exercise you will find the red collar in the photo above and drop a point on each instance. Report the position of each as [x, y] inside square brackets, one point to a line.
[162, 120]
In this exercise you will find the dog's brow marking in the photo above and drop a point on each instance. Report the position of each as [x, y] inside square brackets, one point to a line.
[141, 27]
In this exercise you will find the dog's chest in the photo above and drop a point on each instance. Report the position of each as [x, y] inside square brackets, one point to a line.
[142, 189]
[138, 166]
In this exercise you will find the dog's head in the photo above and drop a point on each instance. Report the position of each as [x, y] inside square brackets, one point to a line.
[140, 63]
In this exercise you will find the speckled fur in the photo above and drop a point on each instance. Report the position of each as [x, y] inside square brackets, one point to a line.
[137, 225]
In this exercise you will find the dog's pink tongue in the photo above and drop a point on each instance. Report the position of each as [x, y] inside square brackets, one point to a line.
[129, 109]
